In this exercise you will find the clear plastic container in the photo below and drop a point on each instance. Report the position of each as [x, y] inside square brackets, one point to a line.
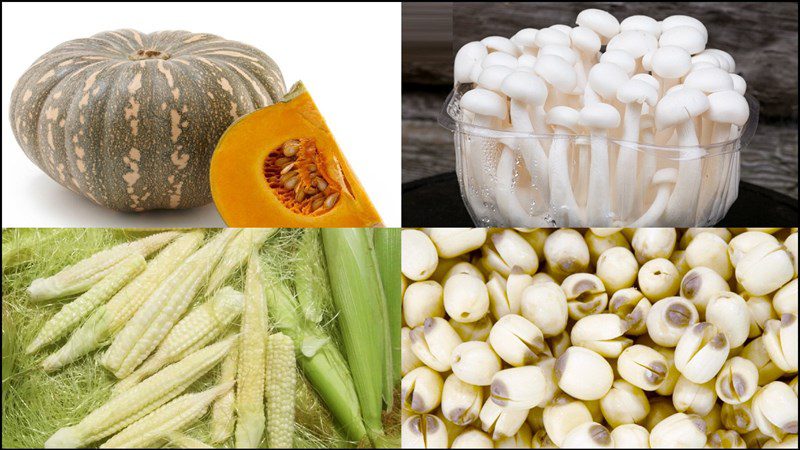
[520, 179]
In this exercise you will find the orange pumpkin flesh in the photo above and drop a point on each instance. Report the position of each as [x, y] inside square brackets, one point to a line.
[280, 166]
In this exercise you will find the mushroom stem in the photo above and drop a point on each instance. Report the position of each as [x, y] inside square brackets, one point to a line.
[507, 202]
[682, 204]
[649, 163]
[656, 209]
[598, 202]
[562, 198]
[532, 152]
[627, 160]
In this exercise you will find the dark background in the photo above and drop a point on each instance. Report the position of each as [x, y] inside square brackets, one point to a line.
[761, 37]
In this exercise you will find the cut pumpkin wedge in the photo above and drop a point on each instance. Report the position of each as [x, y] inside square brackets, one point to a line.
[280, 166]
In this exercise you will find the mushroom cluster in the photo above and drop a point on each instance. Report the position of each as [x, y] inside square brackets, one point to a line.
[653, 114]
[599, 338]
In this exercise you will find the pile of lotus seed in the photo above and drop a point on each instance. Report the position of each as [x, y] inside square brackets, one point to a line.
[599, 337]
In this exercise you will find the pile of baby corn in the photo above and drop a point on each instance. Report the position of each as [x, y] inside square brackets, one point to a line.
[601, 337]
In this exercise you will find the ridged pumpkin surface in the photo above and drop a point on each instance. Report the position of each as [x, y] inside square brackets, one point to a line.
[130, 120]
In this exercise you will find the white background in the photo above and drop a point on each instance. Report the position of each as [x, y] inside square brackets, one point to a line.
[348, 56]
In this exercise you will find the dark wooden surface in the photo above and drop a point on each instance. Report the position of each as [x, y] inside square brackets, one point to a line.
[762, 37]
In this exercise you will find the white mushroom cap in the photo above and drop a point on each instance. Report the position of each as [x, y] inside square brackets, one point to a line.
[525, 38]
[585, 40]
[566, 29]
[739, 85]
[647, 60]
[606, 78]
[599, 115]
[665, 176]
[526, 61]
[637, 91]
[679, 106]
[728, 107]
[679, 20]
[685, 37]
[675, 88]
[635, 42]
[567, 54]
[501, 44]
[492, 77]
[525, 87]
[641, 23]
[728, 63]
[601, 22]
[551, 36]
[701, 65]
[468, 56]
[620, 58]
[485, 103]
[649, 79]
[706, 57]
[671, 62]
[499, 59]
[564, 117]
[712, 79]
[556, 72]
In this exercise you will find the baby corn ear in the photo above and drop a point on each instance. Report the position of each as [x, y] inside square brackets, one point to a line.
[281, 380]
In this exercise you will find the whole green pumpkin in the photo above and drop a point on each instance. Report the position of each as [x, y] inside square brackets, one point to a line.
[130, 120]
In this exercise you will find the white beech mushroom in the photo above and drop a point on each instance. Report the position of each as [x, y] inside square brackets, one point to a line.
[641, 23]
[663, 181]
[508, 204]
[686, 37]
[525, 39]
[587, 43]
[501, 44]
[728, 111]
[598, 118]
[649, 161]
[670, 64]
[528, 93]
[557, 73]
[564, 121]
[621, 59]
[468, 59]
[499, 59]
[588, 64]
[708, 81]
[605, 79]
[632, 94]
[599, 21]
[490, 111]
[635, 42]
[677, 109]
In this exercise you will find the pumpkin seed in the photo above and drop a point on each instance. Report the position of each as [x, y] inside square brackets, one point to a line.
[331, 200]
[287, 168]
[290, 148]
[317, 204]
[311, 191]
[290, 183]
[301, 194]
[312, 167]
[282, 161]
[321, 184]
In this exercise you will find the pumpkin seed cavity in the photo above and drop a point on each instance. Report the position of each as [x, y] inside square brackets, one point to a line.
[296, 172]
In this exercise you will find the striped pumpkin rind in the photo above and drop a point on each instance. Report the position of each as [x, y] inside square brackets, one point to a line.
[130, 120]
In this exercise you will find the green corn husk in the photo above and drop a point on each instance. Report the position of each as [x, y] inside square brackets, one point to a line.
[387, 249]
[318, 357]
[362, 317]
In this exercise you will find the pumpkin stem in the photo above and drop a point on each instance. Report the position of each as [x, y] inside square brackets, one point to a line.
[148, 54]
